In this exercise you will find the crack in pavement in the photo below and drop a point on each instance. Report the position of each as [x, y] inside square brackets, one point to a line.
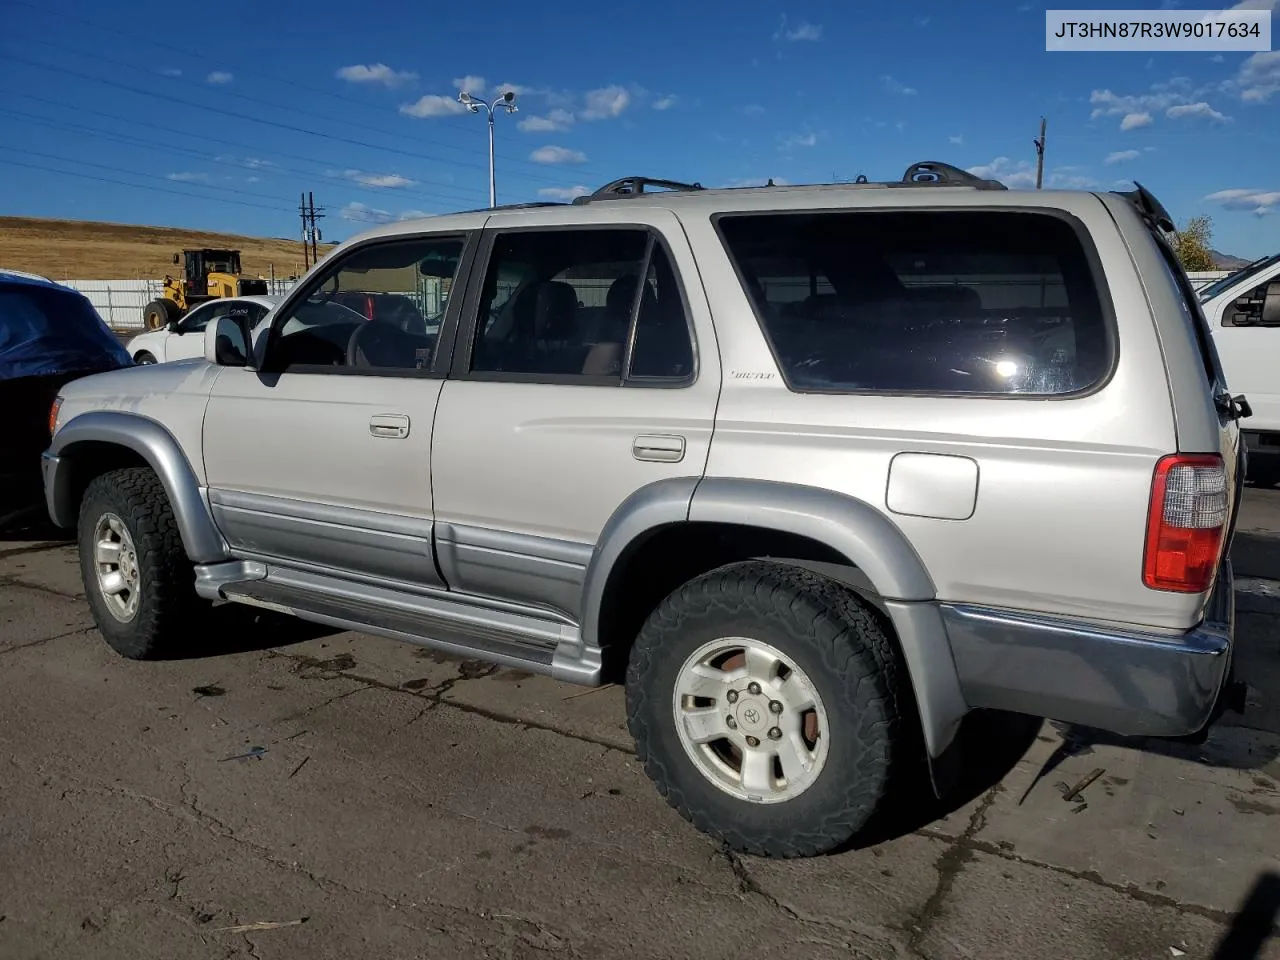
[37, 643]
[749, 886]
[439, 700]
[37, 548]
[15, 580]
[949, 866]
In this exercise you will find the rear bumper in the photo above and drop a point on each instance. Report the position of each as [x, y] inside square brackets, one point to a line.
[1128, 683]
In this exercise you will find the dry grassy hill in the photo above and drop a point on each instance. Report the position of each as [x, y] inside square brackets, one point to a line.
[86, 250]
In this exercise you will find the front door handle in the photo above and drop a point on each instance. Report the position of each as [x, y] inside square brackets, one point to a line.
[660, 448]
[391, 426]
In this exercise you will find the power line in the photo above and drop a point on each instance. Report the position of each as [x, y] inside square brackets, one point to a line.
[266, 169]
[140, 186]
[270, 123]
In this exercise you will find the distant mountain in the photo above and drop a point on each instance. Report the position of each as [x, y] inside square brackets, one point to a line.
[1224, 261]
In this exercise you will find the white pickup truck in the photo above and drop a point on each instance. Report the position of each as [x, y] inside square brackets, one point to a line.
[1242, 310]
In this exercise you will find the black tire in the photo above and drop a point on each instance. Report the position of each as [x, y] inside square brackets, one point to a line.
[1264, 471]
[848, 656]
[144, 357]
[158, 313]
[166, 592]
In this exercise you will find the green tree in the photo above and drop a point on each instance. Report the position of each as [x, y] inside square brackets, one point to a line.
[1192, 244]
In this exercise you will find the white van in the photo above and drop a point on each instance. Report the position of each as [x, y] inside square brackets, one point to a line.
[1242, 310]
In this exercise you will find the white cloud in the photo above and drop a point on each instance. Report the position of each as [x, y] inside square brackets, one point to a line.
[1257, 201]
[252, 179]
[805, 30]
[363, 213]
[470, 84]
[753, 109]
[432, 105]
[253, 163]
[563, 193]
[219, 77]
[1133, 121]
[1255, 5]
[799, 140]
[1120, 156]
[171, 72]
[389, 180]
[958, 140]
[1020, 175]
[556, 120]
[1200, 110]
[1259, 77]
[188, 177]
[664, 103]
[897, 86]
[756, 182]
[557, 155]
[375, 73]
[606, 102]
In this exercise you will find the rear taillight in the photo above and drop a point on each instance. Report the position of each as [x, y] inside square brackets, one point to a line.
[53, 415]
[1187, 518]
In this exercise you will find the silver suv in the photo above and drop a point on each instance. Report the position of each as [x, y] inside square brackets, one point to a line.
[815, 470]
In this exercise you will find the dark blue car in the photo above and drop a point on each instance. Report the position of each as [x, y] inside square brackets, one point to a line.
[49, 335]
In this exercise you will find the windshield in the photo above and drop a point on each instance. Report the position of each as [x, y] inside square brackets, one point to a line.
[1218, 286]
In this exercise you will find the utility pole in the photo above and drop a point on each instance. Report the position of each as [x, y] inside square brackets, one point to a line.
[1040, 155]
[302, 209]
[310, 232]
[315, 256]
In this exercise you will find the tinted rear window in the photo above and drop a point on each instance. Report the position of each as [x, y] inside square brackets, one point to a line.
[953, 302]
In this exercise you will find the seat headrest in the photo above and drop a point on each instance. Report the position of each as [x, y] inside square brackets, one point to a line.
[555, 310]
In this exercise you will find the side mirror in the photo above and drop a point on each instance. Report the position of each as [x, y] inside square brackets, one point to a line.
[1271, 304]
[225, 343]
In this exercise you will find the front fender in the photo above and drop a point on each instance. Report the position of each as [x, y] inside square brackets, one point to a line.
[78, 437]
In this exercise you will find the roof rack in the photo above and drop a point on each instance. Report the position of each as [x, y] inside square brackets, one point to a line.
[634, 186]
[935, 171]
[1151, 209]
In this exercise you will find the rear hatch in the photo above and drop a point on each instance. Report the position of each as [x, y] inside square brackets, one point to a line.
[1229, 409]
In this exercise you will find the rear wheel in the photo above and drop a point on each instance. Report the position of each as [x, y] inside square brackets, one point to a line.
[159, 313]
[137, 578]
[1264, 471]
[143, 358]
[765, 705]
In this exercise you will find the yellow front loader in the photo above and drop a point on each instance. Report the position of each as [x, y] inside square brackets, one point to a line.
[207, 275]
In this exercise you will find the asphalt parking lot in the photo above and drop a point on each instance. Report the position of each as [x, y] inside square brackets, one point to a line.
[287, 793]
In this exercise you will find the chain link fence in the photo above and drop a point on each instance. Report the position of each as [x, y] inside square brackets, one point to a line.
[120, 302]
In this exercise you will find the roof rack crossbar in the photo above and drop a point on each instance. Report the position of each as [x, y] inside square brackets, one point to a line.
[634, 186]
[935, 171]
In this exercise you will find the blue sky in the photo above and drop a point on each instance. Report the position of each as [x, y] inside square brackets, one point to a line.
[154, 112]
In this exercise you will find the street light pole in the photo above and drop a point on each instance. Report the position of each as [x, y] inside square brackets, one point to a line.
[474, 104]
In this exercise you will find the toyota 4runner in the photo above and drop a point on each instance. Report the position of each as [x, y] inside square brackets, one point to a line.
[815, 470]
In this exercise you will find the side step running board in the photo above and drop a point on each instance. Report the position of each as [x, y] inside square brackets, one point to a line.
[456, 626]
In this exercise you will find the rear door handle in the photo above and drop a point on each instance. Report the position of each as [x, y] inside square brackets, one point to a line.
[660, 448]
[391, 426]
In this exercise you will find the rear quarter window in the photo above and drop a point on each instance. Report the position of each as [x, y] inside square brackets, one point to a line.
[1003, 303]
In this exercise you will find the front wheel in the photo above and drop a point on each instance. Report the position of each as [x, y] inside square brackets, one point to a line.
[137, 578]
[143, 358]
[765, 703]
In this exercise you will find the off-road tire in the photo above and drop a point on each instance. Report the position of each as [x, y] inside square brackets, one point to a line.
[847, 653]
[1264, 471]
[167, 600]
[158, 313]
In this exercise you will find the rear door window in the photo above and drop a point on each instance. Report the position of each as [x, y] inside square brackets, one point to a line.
[966, 302]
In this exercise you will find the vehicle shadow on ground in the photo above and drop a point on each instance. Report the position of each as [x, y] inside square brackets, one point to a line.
[1254, 924]
[991, 744]
[232, 628]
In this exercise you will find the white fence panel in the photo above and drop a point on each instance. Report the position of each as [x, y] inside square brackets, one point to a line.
[121, 302]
